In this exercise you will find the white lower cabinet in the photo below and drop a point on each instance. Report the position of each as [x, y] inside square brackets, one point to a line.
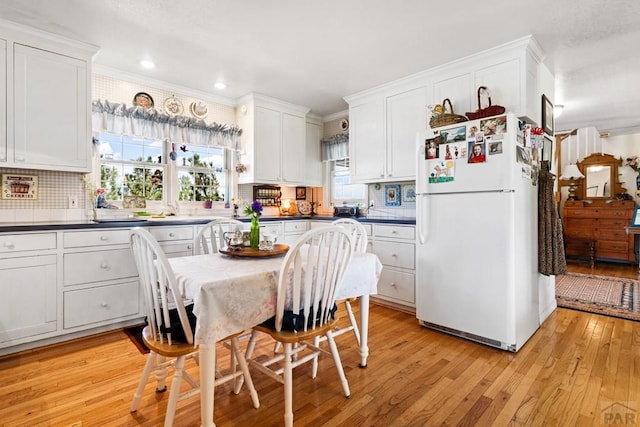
[174, 241]
[100, 279]
[58, 285]
[293, 230]
[395, 247]
[101, 303]
[28, 297]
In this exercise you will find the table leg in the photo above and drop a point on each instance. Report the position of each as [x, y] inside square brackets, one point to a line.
[364, 330]
[207, 356]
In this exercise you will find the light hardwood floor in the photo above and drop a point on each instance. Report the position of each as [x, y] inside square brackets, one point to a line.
[573, 367]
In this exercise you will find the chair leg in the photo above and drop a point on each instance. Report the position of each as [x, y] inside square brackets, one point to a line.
[174, 393]
[148, 367]
[352, 319]
[314, 364]
[338, 363]
[161, 375]
[235, 345]
[288, 386]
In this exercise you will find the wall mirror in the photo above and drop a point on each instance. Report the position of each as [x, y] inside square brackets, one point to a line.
[597, 181]
[600, 177]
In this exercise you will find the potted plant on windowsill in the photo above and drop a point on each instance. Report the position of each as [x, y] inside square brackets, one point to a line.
[208, 202]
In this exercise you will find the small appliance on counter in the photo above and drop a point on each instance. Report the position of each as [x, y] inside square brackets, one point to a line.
[346, 211]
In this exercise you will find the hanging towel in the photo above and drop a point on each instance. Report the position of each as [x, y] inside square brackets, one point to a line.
[551, 257]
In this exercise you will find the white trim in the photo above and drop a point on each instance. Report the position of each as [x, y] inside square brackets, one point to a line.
[169, 87]
[339, 115]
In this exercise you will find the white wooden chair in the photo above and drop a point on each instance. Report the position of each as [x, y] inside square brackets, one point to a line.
[310, 273]
[210, 237]
[162, 303]
[360, 239]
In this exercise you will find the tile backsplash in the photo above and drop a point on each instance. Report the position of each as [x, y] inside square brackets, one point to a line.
[54, 189]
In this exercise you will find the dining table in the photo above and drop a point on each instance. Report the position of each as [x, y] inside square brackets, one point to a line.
[233, 294]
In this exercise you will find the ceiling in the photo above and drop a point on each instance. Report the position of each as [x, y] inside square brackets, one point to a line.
[313, 53]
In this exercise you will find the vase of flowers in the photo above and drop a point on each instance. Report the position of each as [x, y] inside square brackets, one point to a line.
[254, 210]
[632, 162]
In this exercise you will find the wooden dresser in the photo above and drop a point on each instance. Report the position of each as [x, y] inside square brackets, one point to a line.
[603, 223]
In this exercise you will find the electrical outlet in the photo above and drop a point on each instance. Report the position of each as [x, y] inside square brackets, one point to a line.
[72, 202]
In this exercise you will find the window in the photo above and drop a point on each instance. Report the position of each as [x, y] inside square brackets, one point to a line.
[131, 166]
[342, 191]
[200, 173]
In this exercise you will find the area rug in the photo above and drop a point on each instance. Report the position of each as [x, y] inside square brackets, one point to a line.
[611, 296]
[135, 335]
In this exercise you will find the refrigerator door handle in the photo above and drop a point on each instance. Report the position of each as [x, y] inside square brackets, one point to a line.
[423, 217]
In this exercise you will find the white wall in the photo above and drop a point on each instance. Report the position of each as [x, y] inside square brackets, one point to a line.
[622, 146]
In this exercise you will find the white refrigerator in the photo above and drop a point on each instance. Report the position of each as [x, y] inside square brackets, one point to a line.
[476, 273]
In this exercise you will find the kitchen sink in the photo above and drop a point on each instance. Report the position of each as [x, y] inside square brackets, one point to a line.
[111, 220]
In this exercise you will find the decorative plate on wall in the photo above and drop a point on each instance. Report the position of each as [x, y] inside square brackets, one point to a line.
[144, 100]
[199, 110]
[172, 106]
[304, 207]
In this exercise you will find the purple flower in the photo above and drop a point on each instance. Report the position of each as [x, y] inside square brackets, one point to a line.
[255, 208]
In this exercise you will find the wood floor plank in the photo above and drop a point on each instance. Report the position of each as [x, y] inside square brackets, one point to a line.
[574, 364]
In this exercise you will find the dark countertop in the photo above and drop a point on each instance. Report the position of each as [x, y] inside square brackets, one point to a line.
[13, 227]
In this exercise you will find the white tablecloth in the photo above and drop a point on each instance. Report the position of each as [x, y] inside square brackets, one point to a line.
[233, 294]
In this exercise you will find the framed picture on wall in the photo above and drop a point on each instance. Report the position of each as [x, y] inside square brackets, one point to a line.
[547, 115]
[392, 195]
[301, 193]
[547, 150]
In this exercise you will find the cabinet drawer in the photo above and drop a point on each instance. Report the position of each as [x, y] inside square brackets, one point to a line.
[603, 247]
[99, 304]
[580, 213]
[27, 242]
[612, 223]
[295, 227]
[94, 266]
[395, 254]
[79, 239]
[580, 233]
[177, 249]
[398, 285]
[580, 223]
[615, 213]
[608, 234]
[394, 231]
[172, 233]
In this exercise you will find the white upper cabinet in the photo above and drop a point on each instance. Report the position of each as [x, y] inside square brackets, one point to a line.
[3, 102]
[273, 141]
[406, 116]
[367, 145]
[313, 164]
[387, 121]
[47, 89]
[382, 136]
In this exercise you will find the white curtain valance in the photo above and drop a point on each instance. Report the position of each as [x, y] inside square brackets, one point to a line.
[335, 147]
[137, 121]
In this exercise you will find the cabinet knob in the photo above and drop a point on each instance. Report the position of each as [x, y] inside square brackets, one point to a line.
[104, 238]
[394, 255]
[104, 305]
[9, 245]
[171, 235]
[394, 285]
[3, 157]
[20, 158]
[105, 266]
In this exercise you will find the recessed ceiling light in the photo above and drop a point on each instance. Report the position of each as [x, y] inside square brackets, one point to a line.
[148, 64]
[220, 85]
